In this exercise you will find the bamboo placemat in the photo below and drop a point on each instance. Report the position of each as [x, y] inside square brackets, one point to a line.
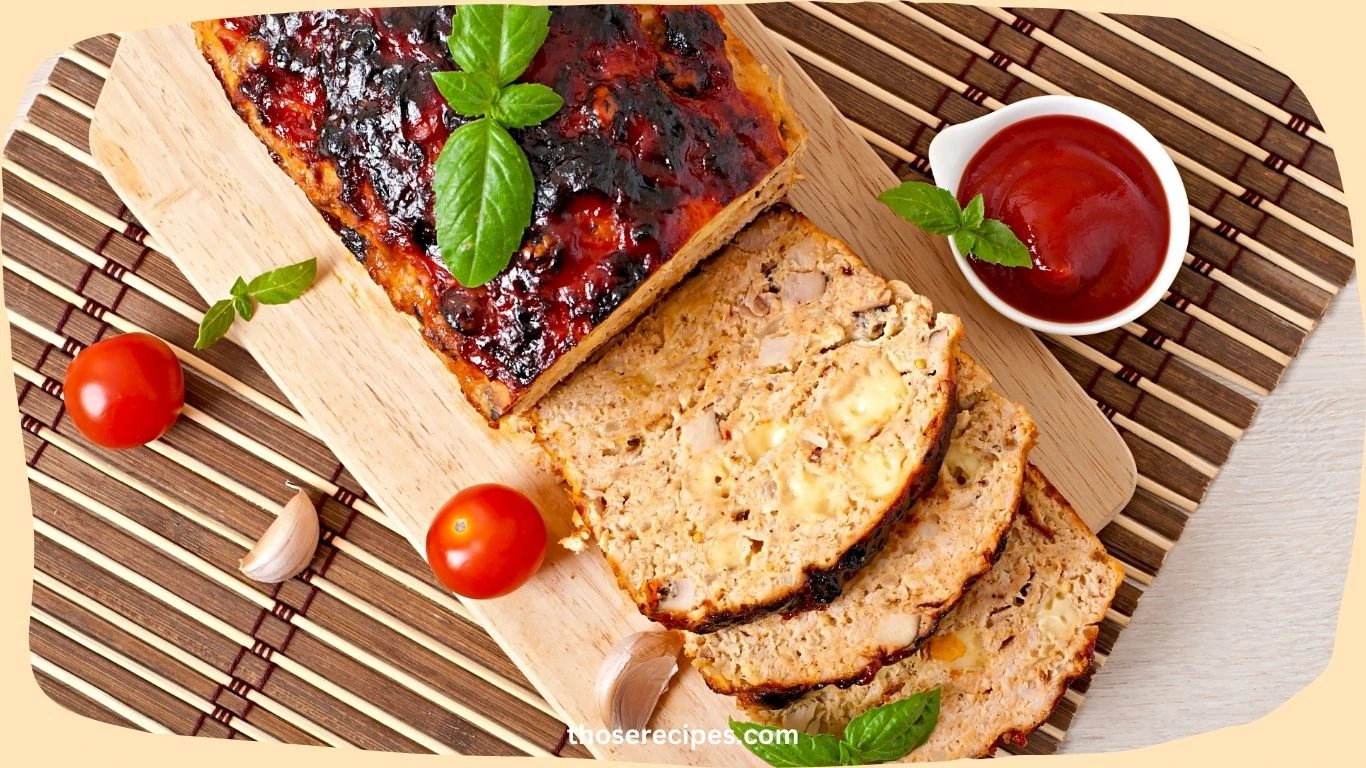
[140, 617]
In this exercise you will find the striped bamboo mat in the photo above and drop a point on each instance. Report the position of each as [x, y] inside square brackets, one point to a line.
[139, 615]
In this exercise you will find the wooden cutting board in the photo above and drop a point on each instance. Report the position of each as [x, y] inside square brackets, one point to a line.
[194, 175]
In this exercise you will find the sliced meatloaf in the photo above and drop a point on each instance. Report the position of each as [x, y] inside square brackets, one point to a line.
[951, 536]
[749, 443]
[1005, 654]
[672, 137]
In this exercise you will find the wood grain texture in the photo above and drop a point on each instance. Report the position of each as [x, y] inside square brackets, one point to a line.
[220, 473]
[322, 351]
[78, 267]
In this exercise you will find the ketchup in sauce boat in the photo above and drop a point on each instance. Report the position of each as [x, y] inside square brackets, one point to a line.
[1086, 203]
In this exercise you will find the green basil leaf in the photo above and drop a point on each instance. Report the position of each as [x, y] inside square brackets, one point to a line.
[484, 193]
[523, 104]
[215, 324]
[966, 240]
[283, 285]
[244, 306]
[931, 208]
[498, 40]
[469, 93]
[810, 750]
[240, 300]
[471, 51]
[974, 212]
[892, 731]
[996, 244]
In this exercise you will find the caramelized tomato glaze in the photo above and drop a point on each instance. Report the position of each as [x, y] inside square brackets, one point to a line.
[654, 139]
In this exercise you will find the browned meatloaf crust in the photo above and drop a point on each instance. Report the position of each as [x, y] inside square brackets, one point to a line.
[672, 137]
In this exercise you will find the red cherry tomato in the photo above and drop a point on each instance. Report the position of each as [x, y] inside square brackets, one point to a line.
[124, 391]
[486, 541]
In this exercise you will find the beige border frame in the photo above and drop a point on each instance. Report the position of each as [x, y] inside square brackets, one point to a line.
[1316, 40]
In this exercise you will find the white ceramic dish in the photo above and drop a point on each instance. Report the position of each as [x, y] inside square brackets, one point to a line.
[954, 147]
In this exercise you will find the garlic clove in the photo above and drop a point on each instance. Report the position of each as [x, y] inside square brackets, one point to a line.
[639, 692]
[287, 546]
[634, 676]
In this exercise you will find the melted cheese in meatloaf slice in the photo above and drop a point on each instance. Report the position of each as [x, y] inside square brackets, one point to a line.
[747, 446]
[951, 536]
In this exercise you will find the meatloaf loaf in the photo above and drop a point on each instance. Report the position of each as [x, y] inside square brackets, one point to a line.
[1005, 654]
[749, 443]
[951, 536]
[672, 137]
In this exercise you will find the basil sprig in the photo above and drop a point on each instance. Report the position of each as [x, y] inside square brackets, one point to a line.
[482, 179]
[278, 286]
[935, 210]
[889, 732]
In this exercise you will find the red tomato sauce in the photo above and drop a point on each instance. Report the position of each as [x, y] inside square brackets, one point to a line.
[1087, 204]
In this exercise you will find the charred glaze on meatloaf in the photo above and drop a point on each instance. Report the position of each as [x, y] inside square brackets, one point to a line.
[659, 133]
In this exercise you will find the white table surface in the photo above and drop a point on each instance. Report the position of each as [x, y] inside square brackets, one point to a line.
[1243, 613]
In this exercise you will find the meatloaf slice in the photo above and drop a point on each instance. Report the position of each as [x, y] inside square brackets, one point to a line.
[1003, 657]
[748, 444]
[951, 536]
[671, 139]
